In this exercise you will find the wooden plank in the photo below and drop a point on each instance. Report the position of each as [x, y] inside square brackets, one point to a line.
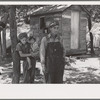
[75, 29]
[82, 39]
[75, 52]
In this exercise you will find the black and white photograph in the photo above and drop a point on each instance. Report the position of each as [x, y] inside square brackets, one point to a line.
[45, 44]
[49, 50]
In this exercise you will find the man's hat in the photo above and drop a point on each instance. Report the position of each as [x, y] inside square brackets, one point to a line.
[53, 24]
[22, 35]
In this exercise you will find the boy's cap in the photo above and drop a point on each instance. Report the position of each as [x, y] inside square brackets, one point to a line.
[22, 35]
[53, 24]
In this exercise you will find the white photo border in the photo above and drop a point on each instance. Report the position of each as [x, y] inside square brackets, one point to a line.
[49, 91]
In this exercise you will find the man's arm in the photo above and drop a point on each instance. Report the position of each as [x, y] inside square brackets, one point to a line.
[64, 51]
[42, 50]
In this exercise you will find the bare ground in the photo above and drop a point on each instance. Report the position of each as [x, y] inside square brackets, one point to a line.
[83, 71]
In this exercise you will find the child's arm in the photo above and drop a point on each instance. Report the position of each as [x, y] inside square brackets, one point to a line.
[64, 51]
[24, 55]
[19, 49]
[34, 54]
[36, 50]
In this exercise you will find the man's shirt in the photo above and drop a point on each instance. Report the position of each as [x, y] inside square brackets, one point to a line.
[43, 45]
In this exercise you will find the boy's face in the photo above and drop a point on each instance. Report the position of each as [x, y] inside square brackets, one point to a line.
[23, 40]
[54, 30]
[32, 41]
[45, 31]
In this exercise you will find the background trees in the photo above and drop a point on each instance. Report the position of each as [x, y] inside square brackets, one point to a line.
[94, 11]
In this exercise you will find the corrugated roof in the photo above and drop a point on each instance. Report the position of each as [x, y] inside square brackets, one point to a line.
[48, 9]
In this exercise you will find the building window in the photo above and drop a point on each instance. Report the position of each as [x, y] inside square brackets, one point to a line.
[42, 22]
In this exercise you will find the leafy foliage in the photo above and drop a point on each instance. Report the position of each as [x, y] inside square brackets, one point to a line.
[94, 10]
[21, 11]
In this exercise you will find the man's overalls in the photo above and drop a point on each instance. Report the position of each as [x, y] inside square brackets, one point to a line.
[54, 62]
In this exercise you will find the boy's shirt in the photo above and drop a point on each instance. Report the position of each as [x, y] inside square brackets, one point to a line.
[35, 50]
[24, 48]
[34, 47]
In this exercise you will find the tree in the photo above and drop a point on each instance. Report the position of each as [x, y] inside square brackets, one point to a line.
[94, 11]
[4, 20]
[91, 36]
[14, 41]
[3, 43]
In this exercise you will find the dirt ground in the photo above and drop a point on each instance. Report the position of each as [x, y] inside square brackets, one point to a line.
[85, 71]
[82, 71]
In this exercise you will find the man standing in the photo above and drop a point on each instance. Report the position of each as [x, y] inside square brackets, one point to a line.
[52, 55]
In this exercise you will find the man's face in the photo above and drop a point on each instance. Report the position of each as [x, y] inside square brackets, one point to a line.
[23, 40]
[54, 29]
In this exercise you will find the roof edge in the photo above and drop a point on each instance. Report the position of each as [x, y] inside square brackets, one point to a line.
[48, 12]
[82, 6]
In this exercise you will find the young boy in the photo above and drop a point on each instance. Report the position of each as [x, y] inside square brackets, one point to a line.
[23, 48]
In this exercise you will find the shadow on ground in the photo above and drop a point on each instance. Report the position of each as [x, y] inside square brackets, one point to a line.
[81, 75]
[72, 74]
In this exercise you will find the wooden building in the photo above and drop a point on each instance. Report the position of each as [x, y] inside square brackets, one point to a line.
[72, 25]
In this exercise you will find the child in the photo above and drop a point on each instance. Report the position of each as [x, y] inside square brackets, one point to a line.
[34, 46]
[23, 48]
[34, 50]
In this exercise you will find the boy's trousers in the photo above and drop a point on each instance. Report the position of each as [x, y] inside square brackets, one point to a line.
[29, 74]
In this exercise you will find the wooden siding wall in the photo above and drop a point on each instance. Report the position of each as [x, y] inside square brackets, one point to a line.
[75, 20]
[35, 24]
[66, 31]
[64, 20]
[83, 24]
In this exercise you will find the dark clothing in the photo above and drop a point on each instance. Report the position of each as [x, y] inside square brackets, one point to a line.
[54, 63]
[27, 74]
[24, 48]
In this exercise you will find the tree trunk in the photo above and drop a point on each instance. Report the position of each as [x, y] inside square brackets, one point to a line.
[13, 34]
[91, 36]
[0, 48]
[92, 49]
[4, 19]
[3, 42]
